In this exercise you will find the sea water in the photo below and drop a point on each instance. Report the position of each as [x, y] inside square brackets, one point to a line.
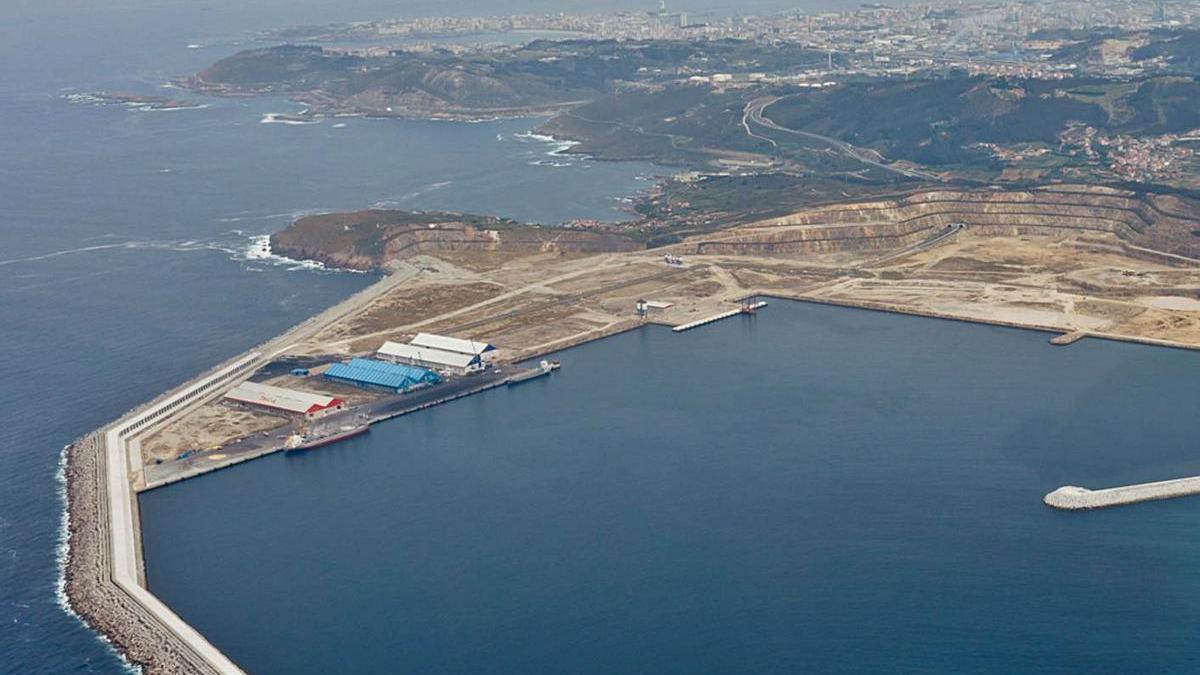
[816, 489]
[129, 240]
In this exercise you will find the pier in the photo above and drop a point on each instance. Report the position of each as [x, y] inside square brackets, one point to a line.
[745, 309]
[1075, 498]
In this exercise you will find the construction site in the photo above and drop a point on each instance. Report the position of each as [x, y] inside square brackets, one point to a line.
[451, 318]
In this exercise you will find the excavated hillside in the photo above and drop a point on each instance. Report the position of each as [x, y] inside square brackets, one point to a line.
[1146, 223]
[368, 240]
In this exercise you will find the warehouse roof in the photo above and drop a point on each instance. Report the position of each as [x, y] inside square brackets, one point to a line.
[378, 373]
[451, 344]
[290, 400]
[439, 357]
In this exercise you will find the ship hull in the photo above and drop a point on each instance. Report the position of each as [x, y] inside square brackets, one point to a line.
[329, 440]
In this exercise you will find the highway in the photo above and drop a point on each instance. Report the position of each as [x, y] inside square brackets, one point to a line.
[754, 113]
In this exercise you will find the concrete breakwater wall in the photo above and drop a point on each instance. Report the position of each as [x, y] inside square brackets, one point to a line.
[92, 593]
[103, 578]
[1075, 498]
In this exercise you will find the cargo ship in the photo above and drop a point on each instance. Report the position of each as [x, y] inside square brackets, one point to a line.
[298, 442]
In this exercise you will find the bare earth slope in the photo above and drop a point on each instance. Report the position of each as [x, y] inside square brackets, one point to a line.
[367, 240]
[1147, 223]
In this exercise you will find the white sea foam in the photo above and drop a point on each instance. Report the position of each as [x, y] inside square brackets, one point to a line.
[240, 247]
[56, 254]
[558, 146]
[174, 108]
[245, 216]
[62, 550]
[283, 118]
[340, 125]
[259, 251]
[408, 196]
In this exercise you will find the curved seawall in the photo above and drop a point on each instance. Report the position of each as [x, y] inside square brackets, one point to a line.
[103, 578]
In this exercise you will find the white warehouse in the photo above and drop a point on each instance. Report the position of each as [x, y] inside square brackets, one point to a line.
[428, 357]
[483, 350]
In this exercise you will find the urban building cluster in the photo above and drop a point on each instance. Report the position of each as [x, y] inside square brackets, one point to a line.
[997, 38]
[1134, 158]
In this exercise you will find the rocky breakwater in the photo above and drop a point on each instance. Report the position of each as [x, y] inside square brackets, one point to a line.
[87, 575]
[1164, 223]
[1075, 498]
[368, 240]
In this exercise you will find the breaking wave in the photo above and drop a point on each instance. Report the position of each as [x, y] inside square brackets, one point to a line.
[253, 249]
[558, 147]
[62, 550]
[284, 118]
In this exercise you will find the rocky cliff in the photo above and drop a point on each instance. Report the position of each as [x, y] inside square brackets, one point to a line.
[368, 240]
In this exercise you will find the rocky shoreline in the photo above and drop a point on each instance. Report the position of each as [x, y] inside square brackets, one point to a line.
[88, 586]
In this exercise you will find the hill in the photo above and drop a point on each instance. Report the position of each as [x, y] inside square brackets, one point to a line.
[538, 76]
[370, 239]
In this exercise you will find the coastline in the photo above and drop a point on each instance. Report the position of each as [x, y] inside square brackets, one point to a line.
[89, 588]
[104, 593]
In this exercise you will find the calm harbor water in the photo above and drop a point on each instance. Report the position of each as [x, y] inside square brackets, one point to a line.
[817, 489]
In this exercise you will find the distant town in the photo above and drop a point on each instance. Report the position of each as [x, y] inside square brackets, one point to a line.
[1059, 40]
[1014, 39]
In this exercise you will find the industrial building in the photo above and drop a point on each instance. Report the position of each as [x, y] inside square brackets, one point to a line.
[279, 399]
[381, 375]
[483, 350]
[428, 357]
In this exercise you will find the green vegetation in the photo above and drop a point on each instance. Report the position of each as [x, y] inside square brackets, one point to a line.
[684, 207]
[370, 239]
[935, 122]
[1179, 49]
[540, 74]
[684, 125]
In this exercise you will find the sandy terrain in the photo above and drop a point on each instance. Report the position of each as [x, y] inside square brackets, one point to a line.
[209, 426]
[529, 304]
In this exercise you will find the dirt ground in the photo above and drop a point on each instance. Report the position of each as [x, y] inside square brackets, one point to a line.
[209, 426]
[1068, 282]
[529, 304]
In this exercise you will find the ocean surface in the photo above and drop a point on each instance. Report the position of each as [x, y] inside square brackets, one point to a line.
[816, 489]
[128, 241]
[592, 527]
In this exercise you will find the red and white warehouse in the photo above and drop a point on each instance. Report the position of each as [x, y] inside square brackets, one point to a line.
[278, 399]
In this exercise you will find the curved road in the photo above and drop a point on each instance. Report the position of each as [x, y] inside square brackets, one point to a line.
[753, 113]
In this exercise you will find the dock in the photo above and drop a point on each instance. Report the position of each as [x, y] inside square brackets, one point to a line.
[168, 473]
[1075, 498]
[745, 309]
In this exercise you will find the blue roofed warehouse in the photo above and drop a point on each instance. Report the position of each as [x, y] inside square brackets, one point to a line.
[379, 374]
